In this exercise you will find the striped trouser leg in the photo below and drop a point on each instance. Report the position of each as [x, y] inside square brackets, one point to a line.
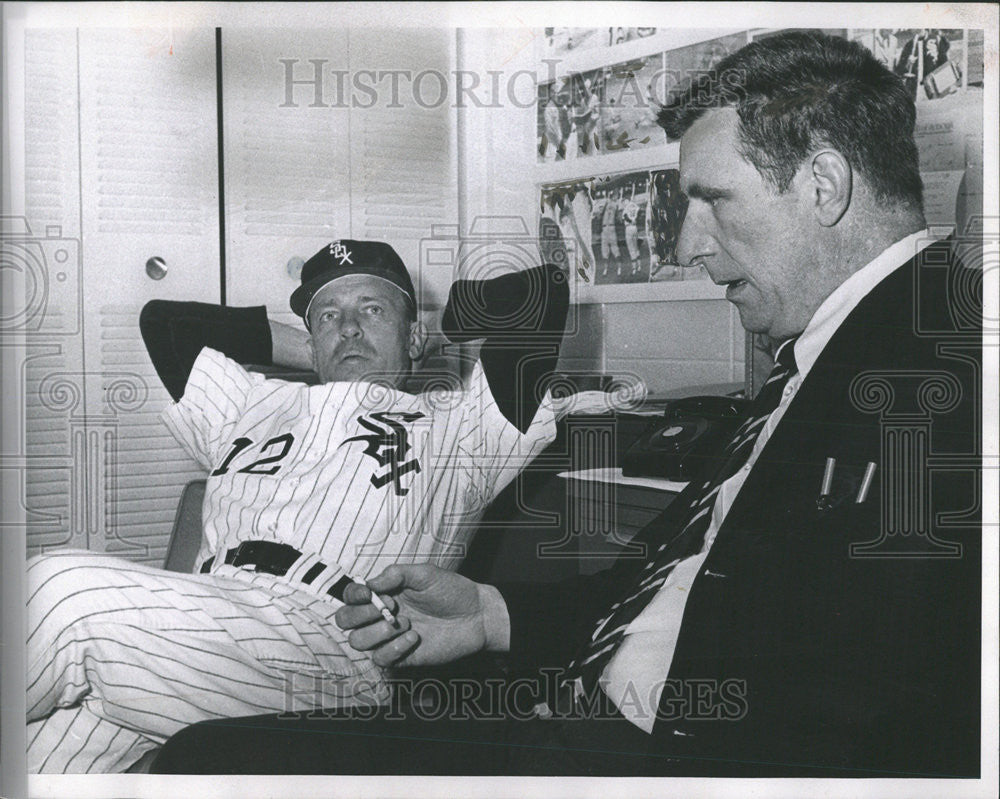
[121, 656]
[74, 739]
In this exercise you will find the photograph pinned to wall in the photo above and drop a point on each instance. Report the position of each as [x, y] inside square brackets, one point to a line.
[974, 46]
[618, 228]
[635, 220]
[620, 35]
[881, 41]
[932, 62]
[585, 92]
[617, 232]
[568, 113]
[665, 208]
[554, 123]
[694, 59]
[633, 93]
[569, 40]
[565, 217]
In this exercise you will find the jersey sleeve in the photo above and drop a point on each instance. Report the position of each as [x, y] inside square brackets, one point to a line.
[494, 449]
[214, 400]
[521, 317]
[175, 332]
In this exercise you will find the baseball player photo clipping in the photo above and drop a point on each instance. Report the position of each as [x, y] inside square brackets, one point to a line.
[570, 117]
[633, 92]
[623, 227]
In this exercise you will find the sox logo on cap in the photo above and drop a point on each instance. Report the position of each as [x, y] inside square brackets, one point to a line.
[338, 250]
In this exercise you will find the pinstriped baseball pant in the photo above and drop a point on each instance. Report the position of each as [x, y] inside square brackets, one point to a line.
[121, 656]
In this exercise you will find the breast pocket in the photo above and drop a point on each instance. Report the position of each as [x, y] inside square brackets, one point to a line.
[834, 508]
[846, 488]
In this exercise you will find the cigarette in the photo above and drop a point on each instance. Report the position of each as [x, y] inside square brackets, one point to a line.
[378, 603]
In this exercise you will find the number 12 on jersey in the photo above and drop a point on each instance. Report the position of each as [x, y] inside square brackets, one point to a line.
[240, 444]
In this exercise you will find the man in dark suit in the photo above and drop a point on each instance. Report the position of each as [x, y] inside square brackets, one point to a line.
[811, 604]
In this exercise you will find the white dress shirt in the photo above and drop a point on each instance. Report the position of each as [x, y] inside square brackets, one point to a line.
[635, 675]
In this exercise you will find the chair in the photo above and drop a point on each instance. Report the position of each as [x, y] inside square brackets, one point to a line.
[185, 537]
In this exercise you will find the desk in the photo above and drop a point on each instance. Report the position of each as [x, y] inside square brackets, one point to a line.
[606, 511]
[544, 527]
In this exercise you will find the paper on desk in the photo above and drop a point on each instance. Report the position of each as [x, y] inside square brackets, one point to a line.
[598, 402]
[941, 195]
[610, 475]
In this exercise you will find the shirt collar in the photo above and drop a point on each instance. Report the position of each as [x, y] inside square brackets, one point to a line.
[847, 295]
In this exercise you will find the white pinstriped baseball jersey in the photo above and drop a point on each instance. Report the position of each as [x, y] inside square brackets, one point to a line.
[630, 212]
[121, 656]
[358, 474]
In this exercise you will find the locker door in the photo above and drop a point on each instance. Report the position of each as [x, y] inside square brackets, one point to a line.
[329, 134]
[46, 252]
[287, 158]
[148, 187]
[404, 150]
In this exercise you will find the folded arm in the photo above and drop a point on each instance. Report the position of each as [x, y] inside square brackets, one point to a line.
[522, 317]
[175, 332]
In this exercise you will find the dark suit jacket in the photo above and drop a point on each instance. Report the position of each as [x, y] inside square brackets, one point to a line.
[810, 657]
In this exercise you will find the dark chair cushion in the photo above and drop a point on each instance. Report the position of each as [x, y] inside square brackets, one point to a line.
[185, 538]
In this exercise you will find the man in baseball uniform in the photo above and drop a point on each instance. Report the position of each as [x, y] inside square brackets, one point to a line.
[609, 234]
[553, 134]
[308, 487]
[586, 115]
[630, 215]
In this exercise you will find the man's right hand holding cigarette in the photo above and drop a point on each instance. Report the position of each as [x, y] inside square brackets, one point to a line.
[441, 617]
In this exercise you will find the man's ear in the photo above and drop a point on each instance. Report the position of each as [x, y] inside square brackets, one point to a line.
[831, 184]
[417, 340]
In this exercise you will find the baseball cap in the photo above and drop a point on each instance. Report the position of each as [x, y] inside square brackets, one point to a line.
[348, 257]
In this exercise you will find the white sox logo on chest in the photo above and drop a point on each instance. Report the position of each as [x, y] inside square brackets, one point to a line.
[388, 444]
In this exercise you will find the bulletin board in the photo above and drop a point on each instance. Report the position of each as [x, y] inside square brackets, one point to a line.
[607, 179]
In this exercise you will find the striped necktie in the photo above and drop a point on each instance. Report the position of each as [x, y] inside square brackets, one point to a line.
[589, 664]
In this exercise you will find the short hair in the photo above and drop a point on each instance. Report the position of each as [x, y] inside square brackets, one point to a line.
[795, 91]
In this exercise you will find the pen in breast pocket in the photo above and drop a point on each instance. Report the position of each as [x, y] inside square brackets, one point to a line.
[823, 500]
[378, 603]
[866, 483]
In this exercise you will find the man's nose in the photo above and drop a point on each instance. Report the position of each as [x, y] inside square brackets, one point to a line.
[694, 241]
[350, 326]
